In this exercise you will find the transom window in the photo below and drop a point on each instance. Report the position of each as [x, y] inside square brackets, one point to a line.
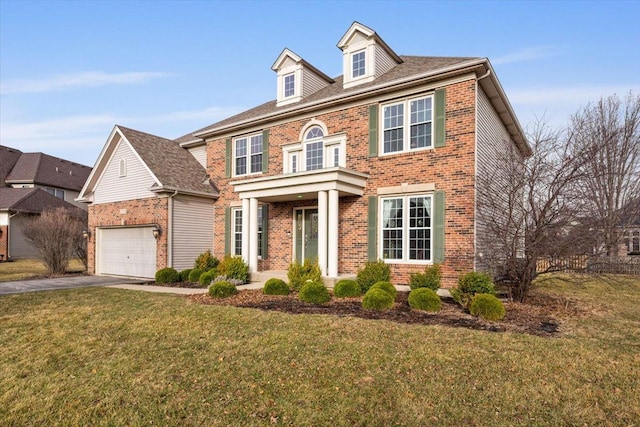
[358, 64]
[406, 132]
[289, 85]
[406, 228]
[248, 154]
[236, 226]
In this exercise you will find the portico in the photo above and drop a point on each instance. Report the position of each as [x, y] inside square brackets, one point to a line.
[325, 186]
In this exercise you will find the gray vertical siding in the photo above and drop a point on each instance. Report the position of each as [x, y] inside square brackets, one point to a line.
[192, 229]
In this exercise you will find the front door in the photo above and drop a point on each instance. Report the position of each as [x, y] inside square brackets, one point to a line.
[306, 225]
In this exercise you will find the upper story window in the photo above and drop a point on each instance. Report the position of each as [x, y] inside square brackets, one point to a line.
[123, 167]
[314, 148]
[289, 85]
[358, 67]
[248, 155]
[406, 132]
[632, 241]
[56, 192]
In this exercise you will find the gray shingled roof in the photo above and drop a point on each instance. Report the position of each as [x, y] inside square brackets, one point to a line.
[174, 166]
[411, 66]
[43, 169]
[9, 157]
[30, 200]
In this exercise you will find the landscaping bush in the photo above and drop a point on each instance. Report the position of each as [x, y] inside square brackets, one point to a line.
[184, 275]
[373, 271]
[234, 267]
[194, 275]
[470, 284]
[314, 293]
[275, 287]
[167, 275]
[222, 290]
[206, 261]
[346, 288]
[487, 306]
[207, 277]
[377, 299]
[387, 287]
[429, 279]
[425, 299]
[299, 274]
[222, 278]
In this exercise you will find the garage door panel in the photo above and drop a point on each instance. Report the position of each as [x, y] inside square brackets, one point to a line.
[127, 252]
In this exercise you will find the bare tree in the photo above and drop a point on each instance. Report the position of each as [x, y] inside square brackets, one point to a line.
[610, 179]
[55, 234]
[525, 211]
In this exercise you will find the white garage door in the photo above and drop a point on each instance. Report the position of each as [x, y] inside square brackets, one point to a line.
[129, 251]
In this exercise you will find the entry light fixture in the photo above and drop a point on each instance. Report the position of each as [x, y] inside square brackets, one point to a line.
[86, 234]
[156, 231]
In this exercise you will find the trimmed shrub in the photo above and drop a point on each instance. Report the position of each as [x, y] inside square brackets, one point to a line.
[470, 284]
[346, 288]
[194, 275]
[167, 275]
[314, 293]
[207, 277]
[222, 290]
[184, 275]
[387, 287]
[275, 287]
[234, 267]
[425, 299]
[299, 274]
[206, 261]
[429, 279]
[221, 278]
[373, 271]
[487, 306]
[377, 299]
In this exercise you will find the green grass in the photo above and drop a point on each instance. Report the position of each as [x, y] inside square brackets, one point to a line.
[28, 268]
[100, 356]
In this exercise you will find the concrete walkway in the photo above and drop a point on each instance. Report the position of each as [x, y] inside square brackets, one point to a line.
[67, 282]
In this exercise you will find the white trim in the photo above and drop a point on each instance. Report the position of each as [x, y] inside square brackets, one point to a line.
[248, 154]
[406, 125]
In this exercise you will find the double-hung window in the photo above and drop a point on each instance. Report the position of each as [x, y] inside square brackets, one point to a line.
[236, 226]
[632, 241]
[289, 86]
[406, 228]
[407, 125]
[358, 65]
[248, 154]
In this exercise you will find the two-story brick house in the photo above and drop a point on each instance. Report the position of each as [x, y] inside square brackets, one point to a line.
[378, 163]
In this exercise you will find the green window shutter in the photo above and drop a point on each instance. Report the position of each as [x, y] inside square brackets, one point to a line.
[227, 231]
[438, 227]
[227, 159]
[372, 251]
[373, 130]
[265, 231]
[265, 151]
[439, 111]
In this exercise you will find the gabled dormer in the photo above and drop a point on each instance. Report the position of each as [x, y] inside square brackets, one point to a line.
[297, 78]
[365, 55]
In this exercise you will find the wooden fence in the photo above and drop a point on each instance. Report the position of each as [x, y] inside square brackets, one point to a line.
[584, 263]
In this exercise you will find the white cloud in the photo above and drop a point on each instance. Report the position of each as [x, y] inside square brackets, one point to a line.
[75, 80]
[527, 54]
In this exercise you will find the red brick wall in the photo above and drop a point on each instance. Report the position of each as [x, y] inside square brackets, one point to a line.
[4, 241]
[451, 168]
[138, 212]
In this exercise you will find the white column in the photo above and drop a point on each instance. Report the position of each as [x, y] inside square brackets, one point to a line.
[322, 231]
[245, 230]
[253, 235]
[334, 211]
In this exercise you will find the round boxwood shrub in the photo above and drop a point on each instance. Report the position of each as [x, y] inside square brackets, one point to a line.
[275, 287]
[314, 293]
[372, 272]
[425, 299]
[207, 277]
[194, 276]
[377, 299]
[487, 306]
[347, 288]
[184, 275]
[167, 275]
[387, 287]
[222, 290]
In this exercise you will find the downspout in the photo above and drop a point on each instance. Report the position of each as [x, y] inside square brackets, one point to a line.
[475, 187]
[170, 230]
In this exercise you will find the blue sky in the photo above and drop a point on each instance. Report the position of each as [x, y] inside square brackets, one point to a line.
[71, 70]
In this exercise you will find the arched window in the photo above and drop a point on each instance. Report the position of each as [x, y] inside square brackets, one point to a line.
[314, 148]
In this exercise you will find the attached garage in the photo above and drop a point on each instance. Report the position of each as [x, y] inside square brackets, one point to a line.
[126, 251]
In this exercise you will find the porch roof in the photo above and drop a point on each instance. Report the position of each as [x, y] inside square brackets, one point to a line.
[302, 185]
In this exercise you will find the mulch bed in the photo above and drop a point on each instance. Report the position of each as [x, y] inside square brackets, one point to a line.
[538, 317]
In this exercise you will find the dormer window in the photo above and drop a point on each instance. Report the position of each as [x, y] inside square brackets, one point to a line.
[358, 67]
[289, 85]
[296, 78]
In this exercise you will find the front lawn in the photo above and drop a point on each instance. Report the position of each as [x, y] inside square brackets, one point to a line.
[100, 356]
[22, 269]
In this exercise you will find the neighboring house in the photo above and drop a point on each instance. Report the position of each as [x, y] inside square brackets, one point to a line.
[29, 184]
[630, 225]
[378, 163]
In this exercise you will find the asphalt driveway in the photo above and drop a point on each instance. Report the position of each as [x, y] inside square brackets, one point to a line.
[35, 285]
